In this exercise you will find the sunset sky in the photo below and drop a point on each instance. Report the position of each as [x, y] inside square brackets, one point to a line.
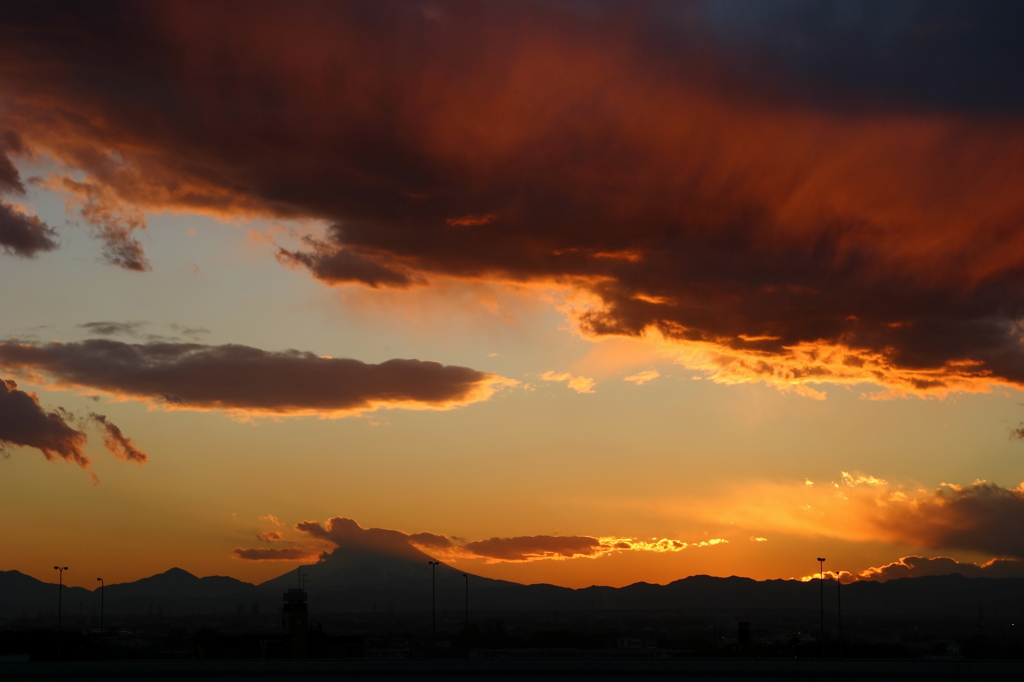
[568, 292]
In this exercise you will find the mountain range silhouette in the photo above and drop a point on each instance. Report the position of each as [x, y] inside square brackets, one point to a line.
[371, 577]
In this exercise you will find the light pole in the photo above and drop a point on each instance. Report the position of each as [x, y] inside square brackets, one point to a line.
[433, 602]
[466, 576]
[60, 598]
[839, 608]
[821, 581]
[103, 586]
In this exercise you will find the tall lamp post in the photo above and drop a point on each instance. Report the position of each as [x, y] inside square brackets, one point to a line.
[839, 608]
[466, 576]
[821, 582]
[103, 586]
[433, 602]
[60, 598]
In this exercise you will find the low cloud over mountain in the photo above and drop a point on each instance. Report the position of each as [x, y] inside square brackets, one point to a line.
[915, 566]
[343, 533]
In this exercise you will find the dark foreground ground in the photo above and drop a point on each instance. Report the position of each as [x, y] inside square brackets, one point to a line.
[510, 669]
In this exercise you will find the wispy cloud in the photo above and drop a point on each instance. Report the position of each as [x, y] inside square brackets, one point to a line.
[270, 518]
[270, 536]
[641, 378]
[580, 384]
[120, 445]
[108, 328]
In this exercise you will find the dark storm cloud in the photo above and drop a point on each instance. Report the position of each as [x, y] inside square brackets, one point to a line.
[936, 55]
[983, 518]
[24, 235]
[802, 192]
[240, 378]
[23, 421]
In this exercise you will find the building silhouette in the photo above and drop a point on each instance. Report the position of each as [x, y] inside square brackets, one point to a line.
[295, 622]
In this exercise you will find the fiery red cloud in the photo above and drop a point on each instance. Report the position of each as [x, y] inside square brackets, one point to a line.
[248, 380]
[770, 226]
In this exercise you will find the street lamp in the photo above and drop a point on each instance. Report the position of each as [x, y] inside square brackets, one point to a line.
[103, 586]
[821, 581]
[433, 601]
[839, 608]
[60, 598]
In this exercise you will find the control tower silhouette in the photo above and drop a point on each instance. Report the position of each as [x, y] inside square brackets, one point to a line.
[295, 620]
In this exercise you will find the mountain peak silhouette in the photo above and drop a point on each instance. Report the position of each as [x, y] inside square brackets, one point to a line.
[375, 561]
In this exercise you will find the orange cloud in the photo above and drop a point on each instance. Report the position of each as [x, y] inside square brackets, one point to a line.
[579, 384]
[642, 378]
[982, 517]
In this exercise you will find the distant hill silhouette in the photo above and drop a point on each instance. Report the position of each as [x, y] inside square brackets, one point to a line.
[178, 584]
[20, 592]
[360, 576]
